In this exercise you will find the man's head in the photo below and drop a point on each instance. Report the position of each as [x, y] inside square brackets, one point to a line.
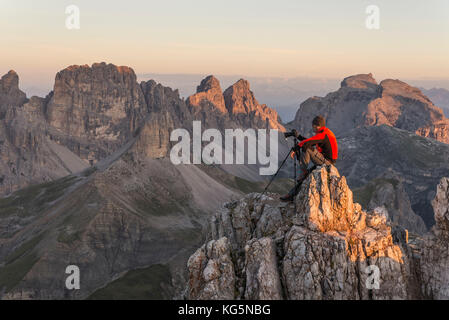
[318, 122]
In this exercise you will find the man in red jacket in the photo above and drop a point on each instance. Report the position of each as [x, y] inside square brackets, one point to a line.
[321, 149]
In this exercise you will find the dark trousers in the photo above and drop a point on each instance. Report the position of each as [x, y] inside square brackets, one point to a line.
[310, 154]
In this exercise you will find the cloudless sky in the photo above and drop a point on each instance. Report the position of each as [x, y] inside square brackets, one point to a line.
[286, 38]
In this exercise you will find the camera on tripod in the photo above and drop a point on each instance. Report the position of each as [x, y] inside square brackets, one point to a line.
[292, 133]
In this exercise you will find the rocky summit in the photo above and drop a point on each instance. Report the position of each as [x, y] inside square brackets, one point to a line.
[96, 108]
[258, 248]
[361, 101]
[237, 104]
[208, 92]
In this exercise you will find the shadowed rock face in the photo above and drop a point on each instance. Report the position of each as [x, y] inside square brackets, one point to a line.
[370, 152]
[322, 251]
[360, 101]
[10, 95]
[101, 105]
[435, 248]
[388, 191]
[27, 155]
[166, 112]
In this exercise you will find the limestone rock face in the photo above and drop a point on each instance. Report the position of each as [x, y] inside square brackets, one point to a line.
[166, 112]
[241, 104]
[239, 98]
[235, 107]
[441, 205]
[360, 101]
[262, 275]
[360, 81]
[92, 113]
[435, 248]
[327, 249]
[208, 92]
[27, 155]
[10, 94]
[388, 191]
[212, 271]
[97, 108]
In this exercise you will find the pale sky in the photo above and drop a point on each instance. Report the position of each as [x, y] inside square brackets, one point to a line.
[284, 38]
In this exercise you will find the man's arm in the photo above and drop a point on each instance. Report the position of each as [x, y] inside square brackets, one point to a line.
[318, 138]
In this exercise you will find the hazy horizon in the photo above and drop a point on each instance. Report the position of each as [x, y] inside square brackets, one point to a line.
[287, 38]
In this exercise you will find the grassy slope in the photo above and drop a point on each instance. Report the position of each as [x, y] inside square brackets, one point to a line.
[281, 185]
[142, 284]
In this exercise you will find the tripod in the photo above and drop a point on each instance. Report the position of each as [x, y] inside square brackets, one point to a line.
[292, 149]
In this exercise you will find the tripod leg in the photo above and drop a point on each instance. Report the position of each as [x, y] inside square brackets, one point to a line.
[294, 197]
[274, 176]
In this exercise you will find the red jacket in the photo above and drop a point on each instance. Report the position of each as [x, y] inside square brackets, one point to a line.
[326, 143]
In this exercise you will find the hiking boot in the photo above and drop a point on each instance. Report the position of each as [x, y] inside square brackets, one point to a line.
[309, 171]
[286, 198]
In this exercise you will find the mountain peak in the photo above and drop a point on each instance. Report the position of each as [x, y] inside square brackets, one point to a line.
[102, 104]
[209, 83]
[242, 84]
[359, 81]
[10, 94]
[208, 94]
[12, 73]
[398, 87]
[362, 102]
[239, 98]
[238, 102]
[9, 81]
[98, 67]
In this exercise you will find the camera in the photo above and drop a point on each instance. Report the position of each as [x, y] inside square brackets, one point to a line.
[292, 133]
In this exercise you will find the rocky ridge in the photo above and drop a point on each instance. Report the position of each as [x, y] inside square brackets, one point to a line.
[258, 248]
[92, 112]
[361, 101]
[261, 249]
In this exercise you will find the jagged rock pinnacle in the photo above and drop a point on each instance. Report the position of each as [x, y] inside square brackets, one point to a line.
[208, 92]
[268, 251]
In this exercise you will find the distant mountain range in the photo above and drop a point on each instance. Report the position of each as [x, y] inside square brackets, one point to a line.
[440, 97]
[282, 94]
